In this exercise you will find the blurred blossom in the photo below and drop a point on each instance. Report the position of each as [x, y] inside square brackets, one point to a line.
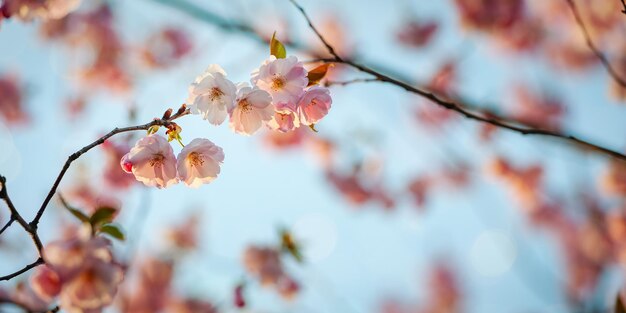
[265, 264]
[417, 33]
[27, 10]
[542, 111]
[113, 175]
[524, 182]
[613, 181]
[166, 47]
[184, 236]
[11, 100]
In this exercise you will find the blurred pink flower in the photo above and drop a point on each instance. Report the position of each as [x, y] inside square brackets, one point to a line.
[165, 47]
[417, 33]
[11, 101]
[199, 162]
[45, 283]
[27, 10]
[284, 79]
[211, 94]
[152, 162]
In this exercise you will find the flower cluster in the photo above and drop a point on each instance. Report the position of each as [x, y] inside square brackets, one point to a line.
[266, 265]
[282, 96]
[81, 271]
[153, 163]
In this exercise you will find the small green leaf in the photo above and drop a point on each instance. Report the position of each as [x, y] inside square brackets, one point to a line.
[113, 231]
[318, 73]
[276, 48]
[102, 215]
[78, 214]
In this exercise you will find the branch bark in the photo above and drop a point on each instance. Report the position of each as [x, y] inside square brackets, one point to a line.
[490, 118]
[603, 59]
[461, 106]
[31, 228]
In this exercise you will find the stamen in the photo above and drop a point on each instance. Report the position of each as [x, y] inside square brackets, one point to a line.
[215, 94]
[157, 160]
[196, 159]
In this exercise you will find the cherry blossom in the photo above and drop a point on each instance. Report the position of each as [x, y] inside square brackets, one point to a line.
[88, 274]
[285, 79]
[199, 162]
[251, 109]
[152, 162]
[314, 105]
[211, 94]
[285, 118]
[27, 10]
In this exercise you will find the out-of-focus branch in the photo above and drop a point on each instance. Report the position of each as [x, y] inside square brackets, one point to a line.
[624, 5]
[31, 228]
[603, 59]
[491, 118]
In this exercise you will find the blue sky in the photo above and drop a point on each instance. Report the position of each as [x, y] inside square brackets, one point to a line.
[359, 257]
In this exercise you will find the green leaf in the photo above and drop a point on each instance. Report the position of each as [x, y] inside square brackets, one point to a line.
[276, 48]
[619, 305]
[316, 74]
[78, 214]
[113, 231]
[102, 215]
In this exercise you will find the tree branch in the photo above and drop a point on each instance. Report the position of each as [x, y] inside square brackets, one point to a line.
[26, 268]
[349, 82]
[603, 59]
[624, 5]
[31, 228]
[490, 118]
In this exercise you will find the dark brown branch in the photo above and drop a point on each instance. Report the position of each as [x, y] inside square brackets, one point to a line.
[603, 59]
[349, 82]
[26, 268]
[491, 118]
[99, 141]
[31, 227]
[6, 226]
[624, 5]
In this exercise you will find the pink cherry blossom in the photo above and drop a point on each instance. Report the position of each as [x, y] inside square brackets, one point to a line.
[87, 271]
[252, 108]
[285, 117]
[93, 288]
[199, 162]
[314, 105]
[152, 162]
[46, 283]
[211, 94]
[47, 9]
[285, 79]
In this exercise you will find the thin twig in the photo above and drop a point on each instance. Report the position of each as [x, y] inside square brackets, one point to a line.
[603, 59]
[624, 5]
[31, 227]
[38, 262]
[348, 82]
[99, 141]
[491, 118]
[6, 226]
[239, 27]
